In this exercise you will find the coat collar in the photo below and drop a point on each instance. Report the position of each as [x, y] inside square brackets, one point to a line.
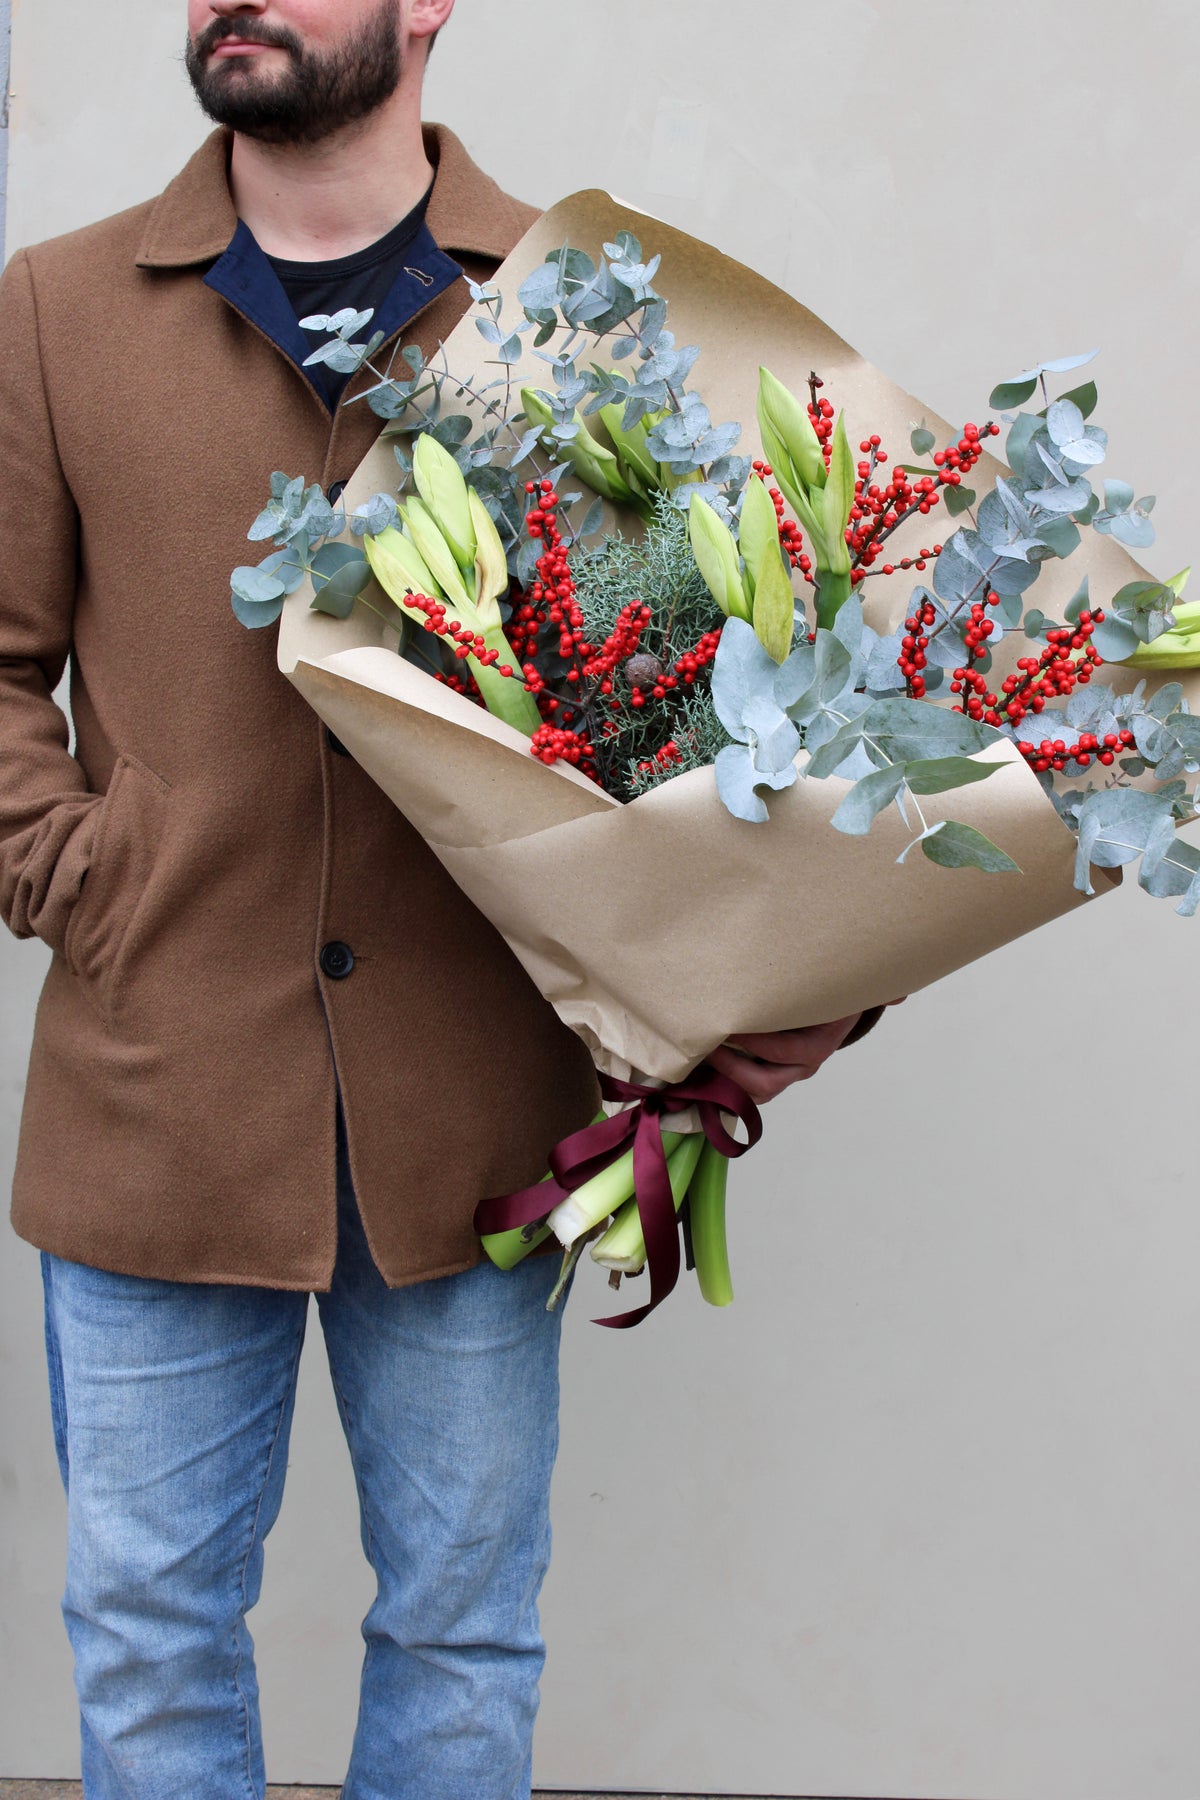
[193, 220]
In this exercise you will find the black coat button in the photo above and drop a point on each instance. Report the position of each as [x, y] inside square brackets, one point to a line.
[335, 743]
[335, 492]
[337, 960]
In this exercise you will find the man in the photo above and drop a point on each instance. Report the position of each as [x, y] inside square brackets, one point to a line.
[277, 1052]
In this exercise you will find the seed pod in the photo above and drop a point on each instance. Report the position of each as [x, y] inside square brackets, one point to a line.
[643, 670]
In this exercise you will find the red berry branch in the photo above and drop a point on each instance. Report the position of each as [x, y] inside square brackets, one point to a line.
[878, 510]
[569, 732]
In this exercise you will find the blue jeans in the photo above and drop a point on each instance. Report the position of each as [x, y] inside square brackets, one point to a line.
[172, 1404]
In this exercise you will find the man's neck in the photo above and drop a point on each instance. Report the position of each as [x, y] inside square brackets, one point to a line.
[312, 203]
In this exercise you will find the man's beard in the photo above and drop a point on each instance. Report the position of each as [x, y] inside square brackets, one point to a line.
[315, 96]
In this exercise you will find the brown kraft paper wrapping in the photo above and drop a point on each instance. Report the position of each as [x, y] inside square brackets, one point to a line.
[659, 927]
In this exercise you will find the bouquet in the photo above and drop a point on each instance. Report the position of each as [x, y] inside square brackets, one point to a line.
[625, 717]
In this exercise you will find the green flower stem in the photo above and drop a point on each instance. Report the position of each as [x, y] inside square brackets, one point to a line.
[706, 1211]
[505, 695]
[592, 1203]
[833, 590]
[623, 1245]
[507, 1248]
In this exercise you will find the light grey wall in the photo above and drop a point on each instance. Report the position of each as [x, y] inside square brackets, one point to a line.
[5, 44]
[917, 1516]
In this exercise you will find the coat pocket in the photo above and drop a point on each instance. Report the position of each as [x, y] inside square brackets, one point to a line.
[124, 852]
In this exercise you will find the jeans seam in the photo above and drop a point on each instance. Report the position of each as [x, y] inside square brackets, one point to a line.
[362, 1492]
[360, 1487]
[237, 1666]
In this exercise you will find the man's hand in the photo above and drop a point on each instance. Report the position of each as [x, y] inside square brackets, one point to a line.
[766, 1062]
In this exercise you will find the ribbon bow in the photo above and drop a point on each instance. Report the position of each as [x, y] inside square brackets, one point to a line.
[575, 1159]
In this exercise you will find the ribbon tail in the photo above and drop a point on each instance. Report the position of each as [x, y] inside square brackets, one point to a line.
[660, 1226]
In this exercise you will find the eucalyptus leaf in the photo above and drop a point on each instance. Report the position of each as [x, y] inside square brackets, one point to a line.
[1012, 393]
[882, 670]
[287, 567]
[1061, 497]
[1166, 700]
[935, 775]
[738, 782]
[1084, 398]
[1079, 442]
[742, 672]
[379, 512]
[956, 846]
[593, 519]
[267, 524]
[256, 586]
[1062, 536]
[829, 671]
[1115, 825]
[1132, 528]
[1114, 639]
[254, 614]
[1078, 602]
[340, 573]
[775, 741]
[1021, 434]
[867, 799]
[911, 730]
[1175, 869]
[542, 290]
[1060, 366]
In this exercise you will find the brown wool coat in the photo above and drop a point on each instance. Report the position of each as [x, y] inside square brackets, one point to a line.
[179, 1114]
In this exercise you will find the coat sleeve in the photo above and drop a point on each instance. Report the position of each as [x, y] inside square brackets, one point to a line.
[47, 815]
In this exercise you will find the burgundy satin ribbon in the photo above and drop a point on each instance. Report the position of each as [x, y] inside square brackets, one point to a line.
[577, 1158]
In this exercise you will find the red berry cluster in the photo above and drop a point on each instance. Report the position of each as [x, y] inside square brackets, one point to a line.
[684, 669]
[688, 665]
[551, 599]
[466, 643]
[464, 684]
[555, 743]
[620, 644]
[821, 414]
[592, 674]
[911, 659]
[1056, 753]
[978, 702]
[879, 510]
[1067, 661]
[662, 759]
[961, 458]
[790, 536]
